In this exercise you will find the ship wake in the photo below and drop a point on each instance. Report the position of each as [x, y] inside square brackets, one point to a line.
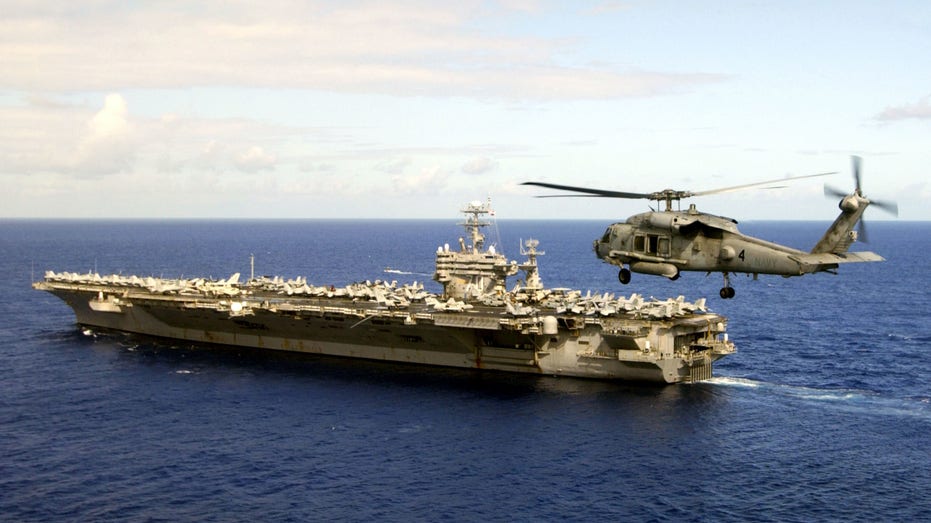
[853, 400]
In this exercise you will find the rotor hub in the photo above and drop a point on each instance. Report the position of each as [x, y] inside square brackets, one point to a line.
[850, 203]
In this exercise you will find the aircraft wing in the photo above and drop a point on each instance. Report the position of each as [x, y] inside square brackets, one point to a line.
[829, 258]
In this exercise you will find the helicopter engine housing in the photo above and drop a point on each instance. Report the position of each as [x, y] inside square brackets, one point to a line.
[663, 220]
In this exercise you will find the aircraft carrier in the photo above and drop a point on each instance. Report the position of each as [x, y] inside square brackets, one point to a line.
[476, 322]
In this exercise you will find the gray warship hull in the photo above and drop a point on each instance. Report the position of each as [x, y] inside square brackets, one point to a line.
[475, 323]
[618, 346]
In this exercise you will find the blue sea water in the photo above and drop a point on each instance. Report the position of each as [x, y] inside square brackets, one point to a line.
[822, 415]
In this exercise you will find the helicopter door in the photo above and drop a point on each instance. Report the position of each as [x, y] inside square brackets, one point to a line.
[654, 244]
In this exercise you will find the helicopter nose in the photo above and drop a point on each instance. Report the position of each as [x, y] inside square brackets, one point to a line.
[601, 248]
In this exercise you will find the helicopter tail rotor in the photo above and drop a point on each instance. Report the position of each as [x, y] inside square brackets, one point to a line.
[833, 192]
[855, 160]
[861, 231]
[890, 207]
[850, 202]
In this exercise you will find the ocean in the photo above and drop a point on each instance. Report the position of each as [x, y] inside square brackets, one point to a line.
[823, 414]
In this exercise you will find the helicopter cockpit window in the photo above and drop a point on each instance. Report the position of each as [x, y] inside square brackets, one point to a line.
[607, 236]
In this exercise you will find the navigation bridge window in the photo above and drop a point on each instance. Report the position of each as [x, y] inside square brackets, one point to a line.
[652, 244]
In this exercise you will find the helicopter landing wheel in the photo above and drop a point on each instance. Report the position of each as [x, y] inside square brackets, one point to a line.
[624, 276]
[727, 292]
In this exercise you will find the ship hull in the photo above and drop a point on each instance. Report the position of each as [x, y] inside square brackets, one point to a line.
[580, 347]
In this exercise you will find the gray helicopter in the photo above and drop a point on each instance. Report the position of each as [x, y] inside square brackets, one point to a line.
[664, 243]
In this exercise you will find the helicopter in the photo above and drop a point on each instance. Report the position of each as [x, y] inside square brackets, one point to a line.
[665, 243]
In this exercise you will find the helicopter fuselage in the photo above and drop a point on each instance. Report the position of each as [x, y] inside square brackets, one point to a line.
[665, 243]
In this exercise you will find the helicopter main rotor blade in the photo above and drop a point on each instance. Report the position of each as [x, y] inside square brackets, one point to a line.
[571, 196]
[757, 184]
[588, 191]
[667, 195]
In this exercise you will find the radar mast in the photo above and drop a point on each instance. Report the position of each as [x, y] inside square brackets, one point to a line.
[532, 273]
[474, 223]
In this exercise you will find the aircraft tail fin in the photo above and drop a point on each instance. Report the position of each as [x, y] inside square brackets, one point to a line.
[841, 234]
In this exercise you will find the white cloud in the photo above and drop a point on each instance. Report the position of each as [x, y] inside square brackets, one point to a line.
[479, 166]
[427, 48]
[255, 159]
[606, 7]
[53, 137]
[430, 180]
[211, 156]
[394, 166]
[920, 110]
[108, 145]
[523, 6]
[45, 136]
[308, 166]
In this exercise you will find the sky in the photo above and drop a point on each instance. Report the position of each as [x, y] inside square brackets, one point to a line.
[382, 109]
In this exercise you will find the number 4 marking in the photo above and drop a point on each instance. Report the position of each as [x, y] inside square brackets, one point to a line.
[742, 255]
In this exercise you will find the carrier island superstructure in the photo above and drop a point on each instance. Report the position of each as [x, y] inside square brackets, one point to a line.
[476, 322]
